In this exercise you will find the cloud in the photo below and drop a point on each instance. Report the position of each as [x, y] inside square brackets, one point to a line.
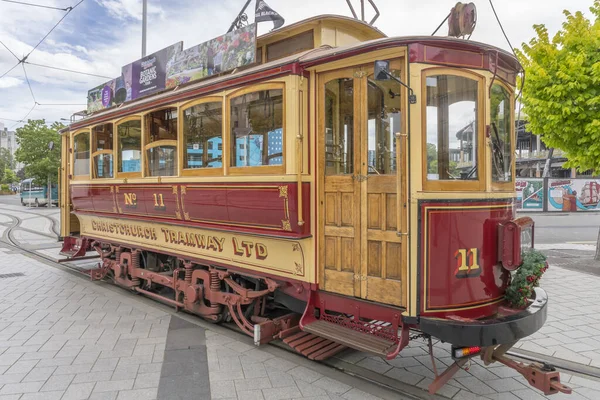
[9, 82]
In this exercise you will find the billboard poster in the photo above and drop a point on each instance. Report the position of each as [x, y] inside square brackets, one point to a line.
[227, 52]
[573, 195]
[101, 96]
[530, 194]
[148, 75]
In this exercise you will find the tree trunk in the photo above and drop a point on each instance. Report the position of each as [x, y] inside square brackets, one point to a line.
[546, 172]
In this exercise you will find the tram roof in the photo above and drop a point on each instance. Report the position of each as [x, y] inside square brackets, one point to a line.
[304, 59]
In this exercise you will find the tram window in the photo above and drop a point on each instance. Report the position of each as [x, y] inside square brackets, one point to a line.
[339, 127]
[103, 166]
[161, 125]
[102, 140]
[257, 129]
[81, 154]
[501, 134]
[202, 135]
[161, 144]
[129, 146]
[452, 127]
[162, 160]
[383, 123]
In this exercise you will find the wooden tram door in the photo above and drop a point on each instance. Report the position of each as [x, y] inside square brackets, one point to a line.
[361, 253]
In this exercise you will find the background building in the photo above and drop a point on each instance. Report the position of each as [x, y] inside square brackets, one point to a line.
[8, 141]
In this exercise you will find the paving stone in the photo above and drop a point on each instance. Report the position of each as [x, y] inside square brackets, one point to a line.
[114, 385]
[305, 374]
[138, 394]
[105, 396]
[78, 391]
[280, 379]
[21, 367]
[57, 382]
[124, 372]
[73, 369]
[149, 380]
[281, 393]
[11, 378]
[475, 385]
[504, 385]
[147, 368]
[57, 395]
[39, 374]
[309, 390]
[256, 370]
[332, 386]
[404, 376]
[250, 395]
[223, 390]
[528, 394]
[373, 365]
[28, 387]
[93, 377]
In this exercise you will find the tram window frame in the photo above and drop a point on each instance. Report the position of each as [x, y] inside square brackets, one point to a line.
[95, 153]
[73, 138]
[258, 169]
[456, 184]
[504, 185]
[149, 145]
[118, 153]
[202, 171]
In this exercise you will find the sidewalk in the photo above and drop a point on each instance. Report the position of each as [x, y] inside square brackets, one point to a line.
[64, 337]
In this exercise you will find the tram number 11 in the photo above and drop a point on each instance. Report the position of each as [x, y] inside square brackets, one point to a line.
[467, 263]
[159, 203]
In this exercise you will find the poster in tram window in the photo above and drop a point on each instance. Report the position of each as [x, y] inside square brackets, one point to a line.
[149, 74]
[573, 195]
[530, 194]
[227, 52]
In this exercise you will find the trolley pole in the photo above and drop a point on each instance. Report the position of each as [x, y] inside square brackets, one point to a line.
[49, 204]
[144, 14]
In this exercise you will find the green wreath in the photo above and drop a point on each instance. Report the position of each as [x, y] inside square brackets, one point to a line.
[525, 279]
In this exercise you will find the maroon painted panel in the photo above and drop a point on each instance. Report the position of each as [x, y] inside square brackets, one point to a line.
[267, 208]
[81, 197]
[460, 272]
[205, 203]
[130, 199]
[103, 198]
[162, 201]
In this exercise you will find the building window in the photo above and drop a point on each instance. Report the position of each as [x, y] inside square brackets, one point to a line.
[452, 128]
[81, 154]
[501, 134]
[202, 130]
[161, 142]
[129, 146]
[257, 129]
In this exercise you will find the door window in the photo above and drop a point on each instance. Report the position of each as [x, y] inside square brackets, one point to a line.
[339, 126]
[383, 123]
[452, 128]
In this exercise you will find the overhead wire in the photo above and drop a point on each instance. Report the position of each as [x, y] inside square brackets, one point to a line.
[28, 84]
[11, 52]
[36, 5]
[23, 60]
[67, 70]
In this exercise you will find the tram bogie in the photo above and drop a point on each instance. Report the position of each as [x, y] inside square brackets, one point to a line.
[348, 191]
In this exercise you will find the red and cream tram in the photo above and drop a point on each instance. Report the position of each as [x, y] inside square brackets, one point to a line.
[343, 190]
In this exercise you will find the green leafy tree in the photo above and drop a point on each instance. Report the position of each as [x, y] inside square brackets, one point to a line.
[34, 139]
[9, 176]
[561, 95]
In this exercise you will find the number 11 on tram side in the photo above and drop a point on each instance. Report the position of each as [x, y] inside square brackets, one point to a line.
[343, 191]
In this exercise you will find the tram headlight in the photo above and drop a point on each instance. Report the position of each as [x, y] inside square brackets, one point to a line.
[514, 238]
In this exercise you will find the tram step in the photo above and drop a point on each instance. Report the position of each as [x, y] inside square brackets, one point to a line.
[351, 338]
[312, 346]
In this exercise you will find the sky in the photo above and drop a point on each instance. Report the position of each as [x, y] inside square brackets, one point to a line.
[100, 36]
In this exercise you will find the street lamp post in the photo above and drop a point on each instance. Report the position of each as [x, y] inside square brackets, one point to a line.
[144, 12]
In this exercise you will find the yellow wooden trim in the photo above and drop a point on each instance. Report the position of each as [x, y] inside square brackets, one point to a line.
[206, 171]
[455, 185]
[102, 152]
[361, 59]
[160, 143]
